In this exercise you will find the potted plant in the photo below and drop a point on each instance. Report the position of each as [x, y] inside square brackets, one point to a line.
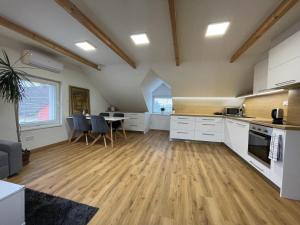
[11, 86]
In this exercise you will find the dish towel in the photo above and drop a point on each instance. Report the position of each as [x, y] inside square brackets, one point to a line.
[276, 147]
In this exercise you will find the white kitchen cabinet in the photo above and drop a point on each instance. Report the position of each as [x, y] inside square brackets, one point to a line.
[136, 122]
[182, 127]
[260, 81]
[236, 136]
[228, 127]
[183, 123]
[284, 62]
[209, 129]
[182, 134]
[240, 140]
[208, 136]
[197, 128]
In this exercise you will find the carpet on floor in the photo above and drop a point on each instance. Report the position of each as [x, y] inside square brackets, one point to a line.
[45, 209]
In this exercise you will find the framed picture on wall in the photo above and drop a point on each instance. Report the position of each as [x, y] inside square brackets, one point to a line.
[79, 100]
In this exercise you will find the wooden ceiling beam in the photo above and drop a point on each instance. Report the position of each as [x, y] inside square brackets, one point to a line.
[75, 12]
[172, 10]
[279, 12]
[44, 41]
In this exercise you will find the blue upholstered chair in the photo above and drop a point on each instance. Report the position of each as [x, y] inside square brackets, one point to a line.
[82, 126]
[100, 127]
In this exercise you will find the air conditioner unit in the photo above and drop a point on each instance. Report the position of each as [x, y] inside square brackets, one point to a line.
[41, 61]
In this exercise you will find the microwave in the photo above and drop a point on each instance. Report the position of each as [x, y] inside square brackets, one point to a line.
[233, 111]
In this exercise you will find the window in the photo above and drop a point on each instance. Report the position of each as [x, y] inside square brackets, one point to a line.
[160, 102]
[40, 106]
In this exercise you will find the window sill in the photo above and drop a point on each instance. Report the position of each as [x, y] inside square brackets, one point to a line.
[39, 127]
[161, 114]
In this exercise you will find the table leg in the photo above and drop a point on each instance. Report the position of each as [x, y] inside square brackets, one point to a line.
[124, 132]
[111, 135]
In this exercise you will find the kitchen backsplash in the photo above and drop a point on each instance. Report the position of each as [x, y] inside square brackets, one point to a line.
[261, 106]
[204, 105]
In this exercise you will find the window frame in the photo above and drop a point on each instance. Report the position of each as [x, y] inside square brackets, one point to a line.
[161, 96]
[46, 124]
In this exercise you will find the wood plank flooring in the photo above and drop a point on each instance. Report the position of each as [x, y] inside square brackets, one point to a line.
[148, 180]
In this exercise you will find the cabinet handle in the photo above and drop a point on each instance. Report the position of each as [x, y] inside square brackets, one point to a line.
[208, 119]
[206, 134]
[182, 118]
[242, 125]
[179, 132]
[286, 82]
[207, 124]
[182, 123]
[261, 170]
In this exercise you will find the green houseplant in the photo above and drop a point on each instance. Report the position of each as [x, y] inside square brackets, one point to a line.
[11, 86]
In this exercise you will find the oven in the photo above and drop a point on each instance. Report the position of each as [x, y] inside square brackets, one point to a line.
[259, 142]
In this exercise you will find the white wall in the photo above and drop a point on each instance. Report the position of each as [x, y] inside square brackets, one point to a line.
[190, 79]
[160, 122]
[149, 84]
[162, 90]
[72, 75]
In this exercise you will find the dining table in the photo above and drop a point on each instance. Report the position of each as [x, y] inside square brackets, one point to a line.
[110, 120]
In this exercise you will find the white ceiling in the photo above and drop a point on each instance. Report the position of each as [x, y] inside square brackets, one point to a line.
[121, 18]
[205, 69]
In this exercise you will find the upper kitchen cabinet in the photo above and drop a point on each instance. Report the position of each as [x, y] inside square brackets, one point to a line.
[284, 63]
[260, 82]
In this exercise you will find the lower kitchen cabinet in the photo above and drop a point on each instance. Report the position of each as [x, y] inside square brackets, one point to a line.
[197, 128]
[136, 121]
[236, 134]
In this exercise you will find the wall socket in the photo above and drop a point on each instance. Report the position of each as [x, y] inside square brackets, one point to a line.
[285, 103]
[29, 138]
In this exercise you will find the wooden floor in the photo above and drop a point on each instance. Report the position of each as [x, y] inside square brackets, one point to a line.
[149, 180]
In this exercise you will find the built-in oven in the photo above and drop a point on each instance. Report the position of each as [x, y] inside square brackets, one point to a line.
[259, 142]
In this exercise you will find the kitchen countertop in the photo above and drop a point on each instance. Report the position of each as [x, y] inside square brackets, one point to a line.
[259, 121]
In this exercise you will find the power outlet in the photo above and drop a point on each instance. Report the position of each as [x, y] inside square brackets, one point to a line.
[285, 103]
[29, 138]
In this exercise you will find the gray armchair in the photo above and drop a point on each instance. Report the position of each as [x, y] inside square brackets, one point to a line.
[4, 170]
[14, 154]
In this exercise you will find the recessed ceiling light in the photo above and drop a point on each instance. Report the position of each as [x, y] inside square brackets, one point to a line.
[85, 46]
[217, 29]
[140, 39]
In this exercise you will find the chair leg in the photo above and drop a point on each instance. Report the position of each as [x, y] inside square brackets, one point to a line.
[80, 136]
[86, 139]
[96, 139]
[104, 138]
[71, 136]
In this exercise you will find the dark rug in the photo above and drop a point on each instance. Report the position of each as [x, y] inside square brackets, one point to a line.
[44, 209]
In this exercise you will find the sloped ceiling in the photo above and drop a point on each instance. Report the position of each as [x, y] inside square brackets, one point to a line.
[205, 68]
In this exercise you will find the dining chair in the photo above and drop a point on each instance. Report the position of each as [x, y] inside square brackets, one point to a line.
[100, 127]
[81, 125]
